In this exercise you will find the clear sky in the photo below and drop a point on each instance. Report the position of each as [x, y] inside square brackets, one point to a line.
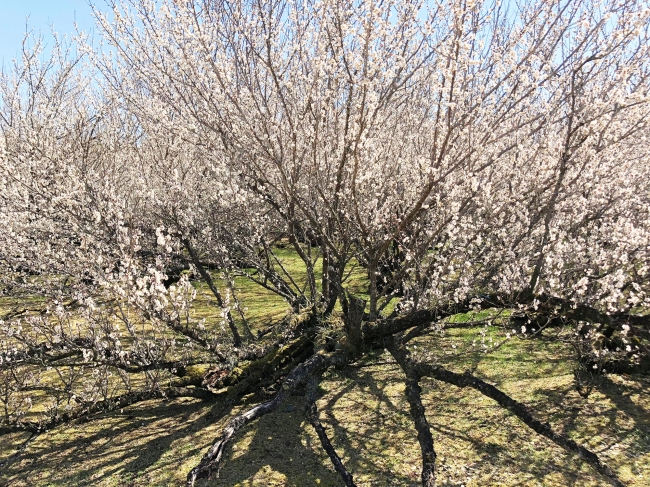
[42, 13]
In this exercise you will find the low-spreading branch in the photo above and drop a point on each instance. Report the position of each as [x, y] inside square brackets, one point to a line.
[107, 405]
[210, 463]
[521, 411]
[414, 398]
[312, 416]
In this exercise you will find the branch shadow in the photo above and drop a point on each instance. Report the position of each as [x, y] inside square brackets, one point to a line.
[262, 456]
[276, 449]
[143, 442]
[364, 409]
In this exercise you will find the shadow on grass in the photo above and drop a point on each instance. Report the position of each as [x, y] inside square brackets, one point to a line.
[277, 449]
[156, 443]
[282, 449]
[142, 445]
[478, 442]
[620, 394]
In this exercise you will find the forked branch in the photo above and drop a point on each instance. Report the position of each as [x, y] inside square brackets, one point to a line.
[210, 463]
[414, 398]
[521, 411]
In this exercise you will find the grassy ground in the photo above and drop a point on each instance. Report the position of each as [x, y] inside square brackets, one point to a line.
[157, 442]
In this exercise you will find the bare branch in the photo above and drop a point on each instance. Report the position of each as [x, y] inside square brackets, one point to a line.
[109, 405]
[414, 398]
[312, 415]
[521, 411]
[210, 463]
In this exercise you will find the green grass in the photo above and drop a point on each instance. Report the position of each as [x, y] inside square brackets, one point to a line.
[157, 442]
[364, 408]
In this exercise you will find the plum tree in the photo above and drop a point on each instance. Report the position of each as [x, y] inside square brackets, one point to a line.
[465, 156]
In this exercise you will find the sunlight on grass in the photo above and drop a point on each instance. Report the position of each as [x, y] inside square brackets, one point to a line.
[366, 415]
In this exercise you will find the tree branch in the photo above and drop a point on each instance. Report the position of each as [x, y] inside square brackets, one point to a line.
[108, 405]
[312, 416]
[521, 411]
[208, 280]
[414, 398]
[210, 463]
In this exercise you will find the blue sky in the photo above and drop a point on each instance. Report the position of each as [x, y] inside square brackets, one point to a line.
[42, 13]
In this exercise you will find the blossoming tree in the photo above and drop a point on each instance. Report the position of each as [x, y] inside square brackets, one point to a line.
[466, 156]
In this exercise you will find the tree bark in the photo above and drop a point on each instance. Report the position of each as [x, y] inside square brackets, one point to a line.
[519, 410]
[418, 412]
[109, 405]
[210, 463]
[312, 416]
